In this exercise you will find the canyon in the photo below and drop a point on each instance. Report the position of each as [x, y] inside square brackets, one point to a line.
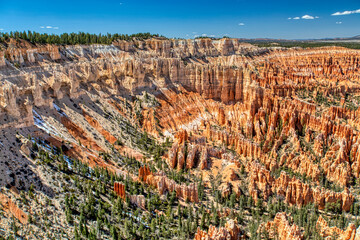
[197, 122]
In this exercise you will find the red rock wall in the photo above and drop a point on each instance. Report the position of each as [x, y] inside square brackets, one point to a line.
[119, 189]
[95, 124]
[78, 133]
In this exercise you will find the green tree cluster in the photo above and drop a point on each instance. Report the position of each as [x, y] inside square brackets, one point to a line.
[73, 38]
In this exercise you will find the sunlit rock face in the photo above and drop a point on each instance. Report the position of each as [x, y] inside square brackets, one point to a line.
[266, 123]
[280, 228]
[327, 232]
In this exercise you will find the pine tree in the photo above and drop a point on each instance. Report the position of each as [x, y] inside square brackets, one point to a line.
[76, 234]
[202, 222]
[232, 200]
[113, 232]
[179, 211]
[153, 225]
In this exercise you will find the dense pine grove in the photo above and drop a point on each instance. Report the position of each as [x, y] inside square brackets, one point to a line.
[73, 38]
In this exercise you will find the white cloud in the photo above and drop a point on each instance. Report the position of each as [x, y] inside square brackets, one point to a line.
[1, 29]
[204, 34]
[212, 36]
[345, 13]
[338, 22]
[308, 17]
[49, 27]
[194, 32]
[241, 24]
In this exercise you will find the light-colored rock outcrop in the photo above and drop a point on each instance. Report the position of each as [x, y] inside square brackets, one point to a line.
[164, 184]
[231, 231]
[351, 233]
[281, 229]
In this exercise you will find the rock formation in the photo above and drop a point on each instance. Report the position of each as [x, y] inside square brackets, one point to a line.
[187, 156]
[138, 200]
[10, 207]
[164, 184]
[119, 189]
[293, 190]
[351, 233]
[288, 118]
[94, 123]
[231, 231]
[281, 229]
[144, 171]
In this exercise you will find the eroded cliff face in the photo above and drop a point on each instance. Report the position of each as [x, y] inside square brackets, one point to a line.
[293, 190]
[330, 232]
[239, 119]
[281, 229]
[166, 185]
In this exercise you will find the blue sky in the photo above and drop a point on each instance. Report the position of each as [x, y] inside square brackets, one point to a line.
[236, 18]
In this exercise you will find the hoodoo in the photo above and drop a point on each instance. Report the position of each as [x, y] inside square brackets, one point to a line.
[168, 138]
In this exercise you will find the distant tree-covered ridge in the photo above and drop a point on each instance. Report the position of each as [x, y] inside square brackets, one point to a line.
[88, 38]
[305, 44]
[73, 38]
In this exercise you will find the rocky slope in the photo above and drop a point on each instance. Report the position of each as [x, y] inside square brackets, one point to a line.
[204, 124]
